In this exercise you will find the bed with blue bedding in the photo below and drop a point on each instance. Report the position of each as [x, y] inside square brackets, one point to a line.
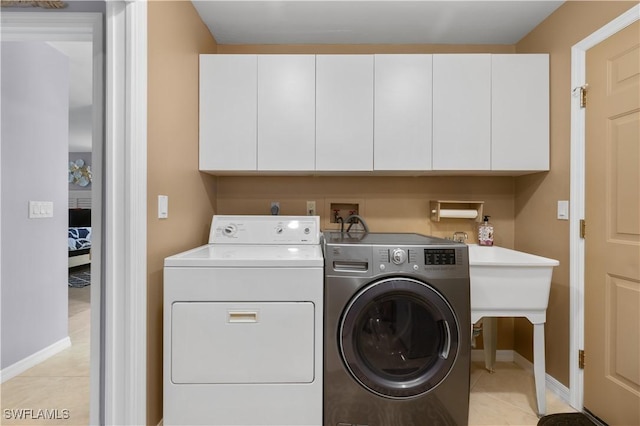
[79, 240]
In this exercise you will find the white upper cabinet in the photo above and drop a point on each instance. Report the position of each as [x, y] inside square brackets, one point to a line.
[344, 112]
[520, 112]
[462, 112]
[228, 112]
[403, 112]
[380, 113]
[286, 112]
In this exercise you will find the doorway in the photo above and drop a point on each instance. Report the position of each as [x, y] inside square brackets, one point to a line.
[74, 369]
[578, 172]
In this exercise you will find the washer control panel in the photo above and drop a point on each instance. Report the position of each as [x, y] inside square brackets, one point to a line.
[414, 259]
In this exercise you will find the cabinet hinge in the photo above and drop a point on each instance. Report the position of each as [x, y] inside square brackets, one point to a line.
[583, 226]
[581, 359]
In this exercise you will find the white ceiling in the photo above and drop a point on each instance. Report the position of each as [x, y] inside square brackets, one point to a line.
[365, 21]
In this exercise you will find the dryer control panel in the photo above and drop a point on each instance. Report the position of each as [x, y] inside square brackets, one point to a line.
[256, 230]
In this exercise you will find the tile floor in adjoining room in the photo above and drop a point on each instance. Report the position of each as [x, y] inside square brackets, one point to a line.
[505, 397]
[59, 383]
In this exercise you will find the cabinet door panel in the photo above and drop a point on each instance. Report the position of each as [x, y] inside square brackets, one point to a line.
[228, 112]
[462, 112]
[520, 112]
[403, 112]
[344, 112]
[286, 112]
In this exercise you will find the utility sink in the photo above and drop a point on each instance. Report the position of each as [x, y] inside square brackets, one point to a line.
[510, 283]
[507, 280]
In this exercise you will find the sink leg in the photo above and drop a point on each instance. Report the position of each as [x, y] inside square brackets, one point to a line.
[539, 367]
[490, 340]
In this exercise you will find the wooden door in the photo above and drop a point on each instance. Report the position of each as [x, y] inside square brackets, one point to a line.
[612, 244]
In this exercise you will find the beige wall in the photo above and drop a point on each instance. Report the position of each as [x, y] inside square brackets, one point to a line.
[522, 209]
[536, 229]
[176, 36]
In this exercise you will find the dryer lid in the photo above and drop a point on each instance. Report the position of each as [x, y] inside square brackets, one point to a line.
[249, 256]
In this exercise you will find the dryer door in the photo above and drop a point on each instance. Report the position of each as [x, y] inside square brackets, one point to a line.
[399, 337]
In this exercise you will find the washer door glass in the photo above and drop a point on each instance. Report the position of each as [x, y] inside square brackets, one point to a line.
[398, 337]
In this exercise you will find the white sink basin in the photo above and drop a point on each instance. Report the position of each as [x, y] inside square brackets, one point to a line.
[507, 282]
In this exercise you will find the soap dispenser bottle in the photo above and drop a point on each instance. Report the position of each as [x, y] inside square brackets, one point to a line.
[485, 233]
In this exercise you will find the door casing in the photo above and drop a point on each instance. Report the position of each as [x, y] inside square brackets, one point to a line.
[118, 311]
[577, 194]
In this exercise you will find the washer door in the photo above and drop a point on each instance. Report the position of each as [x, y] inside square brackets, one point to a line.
[399, 337]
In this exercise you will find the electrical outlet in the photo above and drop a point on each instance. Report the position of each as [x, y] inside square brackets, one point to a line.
[311, 208]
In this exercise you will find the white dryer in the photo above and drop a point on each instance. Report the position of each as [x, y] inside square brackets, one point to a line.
[243, 326]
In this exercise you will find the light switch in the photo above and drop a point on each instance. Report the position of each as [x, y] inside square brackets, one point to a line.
[40, 209]
[163, 206]
[563, 210]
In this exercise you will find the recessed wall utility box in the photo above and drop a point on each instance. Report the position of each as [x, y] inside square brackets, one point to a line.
[342, 210]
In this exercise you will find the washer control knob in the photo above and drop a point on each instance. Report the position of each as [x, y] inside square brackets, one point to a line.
[382, 267]
[398, 256]
[279, 229]
[416, 267]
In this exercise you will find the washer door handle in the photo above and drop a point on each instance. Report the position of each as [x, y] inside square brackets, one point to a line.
[446, 347]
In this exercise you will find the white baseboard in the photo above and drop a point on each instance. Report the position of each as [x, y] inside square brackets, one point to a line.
[32, 360]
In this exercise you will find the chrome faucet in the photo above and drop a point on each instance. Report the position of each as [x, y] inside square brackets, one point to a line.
[460, 236]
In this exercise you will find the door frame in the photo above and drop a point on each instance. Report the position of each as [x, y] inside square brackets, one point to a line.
[577, 195]
[118, 293]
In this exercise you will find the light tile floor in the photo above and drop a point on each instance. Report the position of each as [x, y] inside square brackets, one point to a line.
[505, 397]
[60, 383]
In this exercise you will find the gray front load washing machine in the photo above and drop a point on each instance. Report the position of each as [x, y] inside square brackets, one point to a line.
[397, 330]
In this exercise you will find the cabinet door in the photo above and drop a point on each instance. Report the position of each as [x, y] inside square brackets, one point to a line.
[344, 112]
[520, 112]
[228, 112]
[462, 112]
[286, 112]
[403, 112]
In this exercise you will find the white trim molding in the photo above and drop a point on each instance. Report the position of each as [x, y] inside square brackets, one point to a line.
[78, 26]
[32, 360]
[577, 194]
[125, 214]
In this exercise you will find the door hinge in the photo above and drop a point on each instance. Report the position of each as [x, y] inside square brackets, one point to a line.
[581, 91]
[583, 96]
[583, 226]
[581, 359]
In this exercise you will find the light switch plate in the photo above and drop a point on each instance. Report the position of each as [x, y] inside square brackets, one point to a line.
[163, 206]
[563, 210]
[40, 209]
